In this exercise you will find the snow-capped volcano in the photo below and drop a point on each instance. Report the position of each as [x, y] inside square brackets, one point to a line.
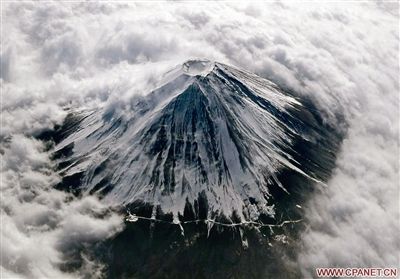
[209, 130]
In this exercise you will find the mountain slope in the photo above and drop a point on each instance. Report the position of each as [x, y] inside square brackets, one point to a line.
[209, 132]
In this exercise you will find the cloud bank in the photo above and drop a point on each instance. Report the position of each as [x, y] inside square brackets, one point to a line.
[342, 55]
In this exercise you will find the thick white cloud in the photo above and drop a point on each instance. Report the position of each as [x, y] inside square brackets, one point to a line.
[343, 55]
[37, 222]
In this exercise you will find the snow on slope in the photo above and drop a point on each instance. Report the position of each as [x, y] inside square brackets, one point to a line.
[208, 130]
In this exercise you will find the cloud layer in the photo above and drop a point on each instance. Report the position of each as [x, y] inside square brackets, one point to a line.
[343, 55]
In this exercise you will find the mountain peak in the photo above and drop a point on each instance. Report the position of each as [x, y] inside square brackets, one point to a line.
[216, 134]
[198, 67]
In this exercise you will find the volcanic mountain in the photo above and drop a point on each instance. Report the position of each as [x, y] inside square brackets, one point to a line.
[209, 136]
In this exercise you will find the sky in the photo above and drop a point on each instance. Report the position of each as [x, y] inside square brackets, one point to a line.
[343, 55]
